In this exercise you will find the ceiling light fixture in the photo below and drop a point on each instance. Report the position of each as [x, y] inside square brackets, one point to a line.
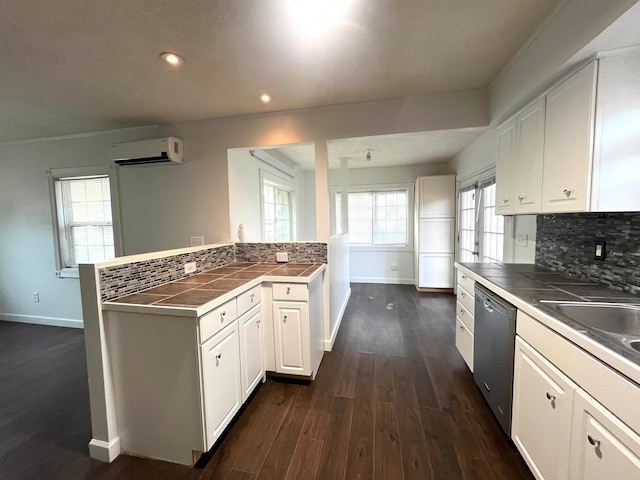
[266, 98]
[172, 58]
[314, 17]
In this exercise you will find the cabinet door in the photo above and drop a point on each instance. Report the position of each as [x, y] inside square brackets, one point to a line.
[464, 342]
[542, 406]
[251, 351]
[504, 168]
[436, 235]
[222, 391]
[291, 327]
[437, 196]
[601, 445]
[529, 154]
[568, 143]
[435, 270]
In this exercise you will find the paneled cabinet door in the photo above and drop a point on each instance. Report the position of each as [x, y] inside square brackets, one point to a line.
[437, 196]
[542, 408]
[568, 143]
[505, 168]
[251, 351]
[291, 328]
[222, 391]
[601, 446]
[529, 154]
[435, 270]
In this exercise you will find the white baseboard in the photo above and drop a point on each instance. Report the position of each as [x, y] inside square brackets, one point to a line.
[385, 280]
[104, 451]
[51, 321]
[328, 344]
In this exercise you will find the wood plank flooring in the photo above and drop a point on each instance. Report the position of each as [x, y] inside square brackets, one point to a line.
[393, 400]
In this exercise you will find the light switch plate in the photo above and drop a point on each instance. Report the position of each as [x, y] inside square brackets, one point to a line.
[196, 241]
[282, 257]
[522, 239]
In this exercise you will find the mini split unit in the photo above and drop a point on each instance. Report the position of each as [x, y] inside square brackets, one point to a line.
[166, 150]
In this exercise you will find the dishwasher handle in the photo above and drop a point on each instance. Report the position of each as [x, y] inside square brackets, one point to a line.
[488, 307]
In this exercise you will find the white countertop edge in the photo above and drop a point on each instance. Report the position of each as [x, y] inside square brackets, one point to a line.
[601, 352]
[207, 307]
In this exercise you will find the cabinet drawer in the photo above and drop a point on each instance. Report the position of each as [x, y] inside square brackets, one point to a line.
[249, 299]
[465, 282]
[218, 318]
[464, 343]
[290, 291]
[463, 314]
[466, 298]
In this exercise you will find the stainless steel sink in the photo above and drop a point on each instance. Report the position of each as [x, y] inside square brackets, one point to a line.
[621, 319]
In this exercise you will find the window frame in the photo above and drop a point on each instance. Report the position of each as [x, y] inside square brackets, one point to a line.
[477, 182]
[409, 187]
[55, 174]
[283, 184]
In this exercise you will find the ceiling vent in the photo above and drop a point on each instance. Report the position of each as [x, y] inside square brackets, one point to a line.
[167, 150]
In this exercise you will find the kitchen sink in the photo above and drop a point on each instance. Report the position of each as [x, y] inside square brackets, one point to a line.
[619, 322]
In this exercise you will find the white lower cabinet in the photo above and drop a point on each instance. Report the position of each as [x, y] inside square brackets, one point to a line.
[563, 432]
[251, 350]
[464, 342]
[601, 445]
[222, 391]
[541, 423]
[291, 326]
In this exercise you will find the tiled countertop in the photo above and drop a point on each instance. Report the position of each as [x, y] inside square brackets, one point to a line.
[524, 285]
[193, 296]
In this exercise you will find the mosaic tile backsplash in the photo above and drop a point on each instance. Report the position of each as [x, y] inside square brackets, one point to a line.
[299, 252]
[565, 243]
[120, 280]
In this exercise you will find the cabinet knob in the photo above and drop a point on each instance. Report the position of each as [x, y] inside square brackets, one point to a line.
[505, 200]
[520, 199]
[288, 290]
[252, 296]
[222, 315]
[258, 323]
[461, 328]
[461, 311]
[284, 319]
[464, 277]
[462, 294]
[567, 193]
[218, 357]
[551, 397]
[593, 441]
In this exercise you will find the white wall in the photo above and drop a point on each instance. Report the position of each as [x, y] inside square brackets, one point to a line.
[374, 265]
[339, 285]
[162, 206]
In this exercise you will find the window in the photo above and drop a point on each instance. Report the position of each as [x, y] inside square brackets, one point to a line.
[378, 217]
[480, 230]
[277, 209]
[83, 217]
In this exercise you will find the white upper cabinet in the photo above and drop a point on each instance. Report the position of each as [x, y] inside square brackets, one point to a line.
[568, 143]
[437, 196]
[519, 163]
[529, 152]
[505, 167]
[616, 166]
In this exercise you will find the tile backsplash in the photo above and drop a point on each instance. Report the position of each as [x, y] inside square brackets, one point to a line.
[566, 243]
[299, 252]
[119, 280]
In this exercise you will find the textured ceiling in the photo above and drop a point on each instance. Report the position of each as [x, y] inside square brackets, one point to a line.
[72, 66]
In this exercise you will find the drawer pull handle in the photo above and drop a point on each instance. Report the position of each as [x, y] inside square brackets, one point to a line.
[288, 290]
[252, 296]
[551, 397]
[258, 323]
[462, 294]
[284, 319]
[594, 441]
[218, 357]
[464, 277]
[462, 311]
[461, 328]
[567, 192]
[505, 200]
[222, 315]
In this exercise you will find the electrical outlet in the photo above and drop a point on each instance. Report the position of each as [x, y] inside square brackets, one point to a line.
[521, 239]
[282, 257]
[196, 241]
[600, 250]
[36, 297]
[190, 267]
[394, 267]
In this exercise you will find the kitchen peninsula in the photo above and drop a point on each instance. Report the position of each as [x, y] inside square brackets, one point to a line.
[180, 353]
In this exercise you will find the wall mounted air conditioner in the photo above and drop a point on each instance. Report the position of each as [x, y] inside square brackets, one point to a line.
[166, 150]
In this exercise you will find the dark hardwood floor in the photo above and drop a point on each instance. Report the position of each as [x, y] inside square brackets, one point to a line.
[393, 400]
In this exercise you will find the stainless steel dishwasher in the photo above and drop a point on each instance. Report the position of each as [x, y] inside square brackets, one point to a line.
[493, 351]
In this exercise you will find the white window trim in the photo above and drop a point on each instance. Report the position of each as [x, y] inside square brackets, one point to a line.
[479, 178]
[54, 174]
[409, 187]
[284, 183]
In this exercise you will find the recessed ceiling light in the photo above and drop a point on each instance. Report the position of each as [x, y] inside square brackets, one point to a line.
[265, 98]
[172, 58]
